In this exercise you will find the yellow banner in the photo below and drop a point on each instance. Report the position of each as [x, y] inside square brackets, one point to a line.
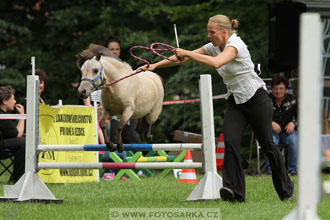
[67, 125]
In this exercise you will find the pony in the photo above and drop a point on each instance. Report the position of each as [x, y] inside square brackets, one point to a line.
[134, 97]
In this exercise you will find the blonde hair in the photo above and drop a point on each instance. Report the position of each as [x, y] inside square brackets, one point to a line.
[223, 22]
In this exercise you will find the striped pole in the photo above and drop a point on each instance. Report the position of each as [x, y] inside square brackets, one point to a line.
[131, 147]
[156, 165]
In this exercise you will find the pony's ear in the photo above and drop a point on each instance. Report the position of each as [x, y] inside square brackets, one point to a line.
[98, 56]
[79, 61]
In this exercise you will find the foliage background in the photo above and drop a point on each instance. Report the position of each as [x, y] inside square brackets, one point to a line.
[54, 31]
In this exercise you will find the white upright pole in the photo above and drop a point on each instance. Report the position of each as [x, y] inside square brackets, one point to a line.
[32, 127]
[209, 186]
[30, 187]
[33, 64]
[309, 130]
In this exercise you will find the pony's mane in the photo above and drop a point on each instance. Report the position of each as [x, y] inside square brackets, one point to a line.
[91, 51]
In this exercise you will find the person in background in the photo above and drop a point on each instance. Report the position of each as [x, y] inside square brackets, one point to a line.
[96, 97]
[43, 82]
[100, 133]
[113, 44]
[284, 121]
[130, 135]
[248, 103]
[13, 133]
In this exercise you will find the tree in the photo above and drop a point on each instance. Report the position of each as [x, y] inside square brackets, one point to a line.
[54, 31]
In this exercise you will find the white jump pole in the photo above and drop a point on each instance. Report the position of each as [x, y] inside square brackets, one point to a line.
[128, 165]
[30, 187]
[209, 186]
[310, 90]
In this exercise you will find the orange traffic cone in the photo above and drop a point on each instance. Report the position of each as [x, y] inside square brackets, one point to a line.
[327, 154]
[188, 175]
[220, 153]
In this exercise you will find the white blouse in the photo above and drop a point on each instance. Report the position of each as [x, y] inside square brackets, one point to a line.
[238, 75]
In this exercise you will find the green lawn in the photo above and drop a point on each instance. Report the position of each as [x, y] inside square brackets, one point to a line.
[94, 200]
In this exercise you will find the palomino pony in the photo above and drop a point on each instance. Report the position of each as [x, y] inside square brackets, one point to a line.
[134, 97]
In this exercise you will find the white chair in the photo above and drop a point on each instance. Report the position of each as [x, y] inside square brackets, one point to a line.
[284, 150]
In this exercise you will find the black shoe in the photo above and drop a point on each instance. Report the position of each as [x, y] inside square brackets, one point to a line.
[290, 196]
[229, 196]
[287, 198]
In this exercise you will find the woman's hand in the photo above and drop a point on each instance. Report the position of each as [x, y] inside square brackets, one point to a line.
[19, 108]
[145, 67]
[180, 53]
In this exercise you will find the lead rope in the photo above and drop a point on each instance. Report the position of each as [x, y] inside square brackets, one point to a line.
[154, 50]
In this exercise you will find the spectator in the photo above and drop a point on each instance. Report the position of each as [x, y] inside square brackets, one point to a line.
[113, 43]
[284, 121]
[96, 98]
[43, 82]
[100, 133]
[13, 134]
[108, 174]
[130, 135]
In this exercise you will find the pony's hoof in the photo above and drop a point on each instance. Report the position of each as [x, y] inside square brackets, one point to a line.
[120, 148]
[110, 146]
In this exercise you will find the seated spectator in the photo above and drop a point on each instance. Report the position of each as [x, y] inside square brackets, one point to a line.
[12, 133]
[284, 121]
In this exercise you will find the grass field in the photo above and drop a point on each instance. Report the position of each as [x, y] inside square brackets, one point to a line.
[94, 200]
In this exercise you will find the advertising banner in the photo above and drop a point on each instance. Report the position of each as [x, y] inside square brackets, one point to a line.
[68, 125]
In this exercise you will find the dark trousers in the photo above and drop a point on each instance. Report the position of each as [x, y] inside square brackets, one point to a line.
[258, 113]
[17, 147]
[129, 135]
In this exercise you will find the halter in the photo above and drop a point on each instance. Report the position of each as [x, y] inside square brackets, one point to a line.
[92, 81]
